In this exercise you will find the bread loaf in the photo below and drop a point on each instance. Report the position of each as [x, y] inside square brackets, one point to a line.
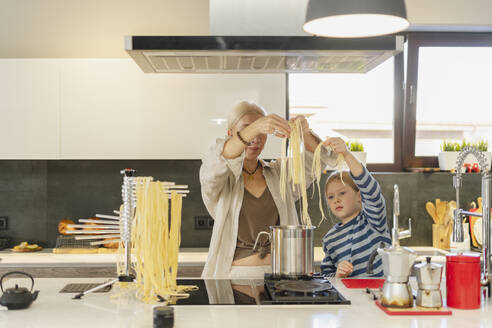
[63, 228]
[111, 245]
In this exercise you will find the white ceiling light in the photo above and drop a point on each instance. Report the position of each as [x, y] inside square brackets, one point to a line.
[355, 18]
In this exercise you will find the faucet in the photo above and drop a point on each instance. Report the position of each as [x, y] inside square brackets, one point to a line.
[396, 233]
[458, 234]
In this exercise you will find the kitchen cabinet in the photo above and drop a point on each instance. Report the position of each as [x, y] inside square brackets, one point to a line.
[29, 108]
[111, 110]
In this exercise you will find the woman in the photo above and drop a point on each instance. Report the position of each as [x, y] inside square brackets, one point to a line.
[242, 193]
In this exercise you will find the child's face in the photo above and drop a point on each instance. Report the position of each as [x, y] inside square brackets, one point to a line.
[344, 202]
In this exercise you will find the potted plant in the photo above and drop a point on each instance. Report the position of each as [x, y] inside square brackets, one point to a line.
[450, 150]
[357, 149]
[483, 146]
[448, 155]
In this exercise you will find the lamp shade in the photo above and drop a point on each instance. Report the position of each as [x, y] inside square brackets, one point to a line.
[355, 18]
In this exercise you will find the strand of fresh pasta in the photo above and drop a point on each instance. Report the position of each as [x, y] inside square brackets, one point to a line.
[296, 173]
[283, 169]
[316, 173]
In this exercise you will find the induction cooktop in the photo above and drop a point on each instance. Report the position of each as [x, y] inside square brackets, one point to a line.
[261, 292]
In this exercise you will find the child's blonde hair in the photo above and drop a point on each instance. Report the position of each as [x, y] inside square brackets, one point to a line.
[342, 176]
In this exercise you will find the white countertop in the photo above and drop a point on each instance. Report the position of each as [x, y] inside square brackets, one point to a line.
[53, 310]
[187, 256]
[47, 258]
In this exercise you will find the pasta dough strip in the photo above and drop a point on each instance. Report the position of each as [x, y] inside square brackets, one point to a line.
[156, 236]
[296, 173]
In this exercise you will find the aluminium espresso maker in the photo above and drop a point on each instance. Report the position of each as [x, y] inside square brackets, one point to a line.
[429, 281]
[397, 262]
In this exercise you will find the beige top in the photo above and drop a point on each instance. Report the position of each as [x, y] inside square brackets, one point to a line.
[257, 214]
[222, 190]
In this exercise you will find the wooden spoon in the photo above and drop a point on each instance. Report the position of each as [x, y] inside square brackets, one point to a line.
[431, 209]
[441, 212]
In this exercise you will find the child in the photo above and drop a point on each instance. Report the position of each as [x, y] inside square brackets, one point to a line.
[360, 206]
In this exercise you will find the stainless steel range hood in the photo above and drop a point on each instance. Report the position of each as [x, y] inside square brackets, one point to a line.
[260, 54]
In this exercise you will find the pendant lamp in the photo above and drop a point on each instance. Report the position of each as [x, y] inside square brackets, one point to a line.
[355, 18]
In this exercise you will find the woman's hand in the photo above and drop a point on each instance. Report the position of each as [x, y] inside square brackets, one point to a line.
[311, 141]
[304, 123]
[344, 269]
[337, 144]
[271, 124]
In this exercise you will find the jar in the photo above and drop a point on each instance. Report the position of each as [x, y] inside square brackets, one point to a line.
[163, 317]
[463, 281]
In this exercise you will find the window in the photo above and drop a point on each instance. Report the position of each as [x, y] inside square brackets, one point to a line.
[448, 93]
[357, 107]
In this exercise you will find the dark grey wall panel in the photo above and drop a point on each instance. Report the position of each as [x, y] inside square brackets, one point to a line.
[23, 200]
[37, 194]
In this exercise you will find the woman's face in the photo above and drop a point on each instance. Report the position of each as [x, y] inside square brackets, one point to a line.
[344, 202]
[258, 143]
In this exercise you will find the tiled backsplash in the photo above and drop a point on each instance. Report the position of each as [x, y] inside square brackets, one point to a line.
[37, 194]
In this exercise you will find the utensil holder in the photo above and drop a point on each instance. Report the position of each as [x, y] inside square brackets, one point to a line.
[441, 236]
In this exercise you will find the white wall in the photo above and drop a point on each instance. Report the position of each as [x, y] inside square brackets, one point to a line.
[92, 28]
[95, 28]
[450, 12]
[109, 109]
[286, 17]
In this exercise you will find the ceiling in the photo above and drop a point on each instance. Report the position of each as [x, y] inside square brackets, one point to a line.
[95, 28]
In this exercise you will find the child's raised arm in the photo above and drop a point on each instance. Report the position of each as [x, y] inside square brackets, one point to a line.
[339, 147]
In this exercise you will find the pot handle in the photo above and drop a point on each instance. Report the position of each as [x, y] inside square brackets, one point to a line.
[372, 257]
[258, 237]
[16, 272]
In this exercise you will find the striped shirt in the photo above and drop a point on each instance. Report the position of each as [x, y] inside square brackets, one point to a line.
[355, 240]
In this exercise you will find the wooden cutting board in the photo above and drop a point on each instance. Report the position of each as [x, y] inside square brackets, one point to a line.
[27, 250]
[75, 250]
[415, 310]
[101, 250]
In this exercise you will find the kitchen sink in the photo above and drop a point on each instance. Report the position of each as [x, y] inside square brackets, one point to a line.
[438, 256]
[429, 251]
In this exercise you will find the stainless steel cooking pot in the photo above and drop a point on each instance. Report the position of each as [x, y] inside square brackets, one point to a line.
[291, 249]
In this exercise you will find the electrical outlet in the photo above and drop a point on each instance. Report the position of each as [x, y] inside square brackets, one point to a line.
[203, 222]
[4, 222]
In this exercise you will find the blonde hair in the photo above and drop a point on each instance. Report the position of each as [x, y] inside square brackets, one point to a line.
[241, 109]
[342, 176]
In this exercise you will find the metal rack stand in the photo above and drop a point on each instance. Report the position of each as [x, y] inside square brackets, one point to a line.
[127, 215]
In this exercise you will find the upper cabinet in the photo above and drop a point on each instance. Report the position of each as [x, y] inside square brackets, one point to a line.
[29, 109]
[109, 109]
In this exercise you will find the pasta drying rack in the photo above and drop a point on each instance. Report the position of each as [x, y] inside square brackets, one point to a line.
[118, 227]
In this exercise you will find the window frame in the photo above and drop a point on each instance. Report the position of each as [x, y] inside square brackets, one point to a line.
[415, 41]
[398, 105]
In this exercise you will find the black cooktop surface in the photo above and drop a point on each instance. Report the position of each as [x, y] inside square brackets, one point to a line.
[259, 292]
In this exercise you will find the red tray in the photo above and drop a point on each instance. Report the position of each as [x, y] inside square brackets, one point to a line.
[363, 283]
[414, 310]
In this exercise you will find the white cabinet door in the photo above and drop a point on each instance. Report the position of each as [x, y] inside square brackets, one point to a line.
[29, 109]
[111, 110]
